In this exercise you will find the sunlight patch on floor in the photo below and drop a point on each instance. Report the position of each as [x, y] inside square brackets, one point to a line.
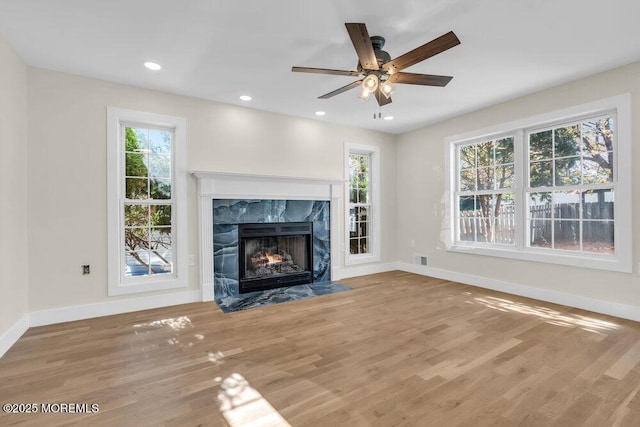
[242, 405]
[553, 317]
[176, 324]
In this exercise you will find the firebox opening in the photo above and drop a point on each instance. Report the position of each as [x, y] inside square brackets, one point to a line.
[274, 255]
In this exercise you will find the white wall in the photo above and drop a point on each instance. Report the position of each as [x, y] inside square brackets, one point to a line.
[67, 171]
[421, 186]
[13, 189]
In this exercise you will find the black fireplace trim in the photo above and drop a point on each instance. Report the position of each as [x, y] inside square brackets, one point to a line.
[269, 229]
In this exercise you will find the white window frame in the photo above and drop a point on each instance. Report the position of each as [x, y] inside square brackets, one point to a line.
[374, 169]
[622, 260]
[117, 283]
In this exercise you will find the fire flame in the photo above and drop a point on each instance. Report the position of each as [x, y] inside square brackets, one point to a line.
[273, 258]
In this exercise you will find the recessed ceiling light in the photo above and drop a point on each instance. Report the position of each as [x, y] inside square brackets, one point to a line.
[320, 113]
[152, 66]
[388, 117]
[246, 98]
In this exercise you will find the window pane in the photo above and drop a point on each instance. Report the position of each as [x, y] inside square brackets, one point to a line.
[597, 204]
[597, 135]
[160, 141]
[364, 246]
[160, 189]
[353, 246]
[136, 239]
[136, 165]
[504, 151]
[540, 145]
[485, 153]
[485, 178]
[539, 205]
[160, 215]
[505, 176]
[468, 203]
[566, 235]
[598, 237]
[598, 169]
[566, 205]
[468, 180]
[568, 171]
[540, 174]
[362, 213]
[136, 140]
[352, 220]
[363, 229]
[143, 138]
[160, 166]
[467, 156]
[136, 215]
[353, 196]
[161, 262]
[358, 178]
[136, 188]
[567, 141]
[503, 222]
[136, 263]
[467, 226]
[540, 233]
[160, 239]
[363, 195]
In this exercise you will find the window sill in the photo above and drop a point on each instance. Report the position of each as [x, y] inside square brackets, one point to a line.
[146, 285]
[597, 262]
[360, 259]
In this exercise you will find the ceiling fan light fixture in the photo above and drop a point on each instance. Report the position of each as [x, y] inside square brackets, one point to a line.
[364, 94]
[370, 82]
[387, 88]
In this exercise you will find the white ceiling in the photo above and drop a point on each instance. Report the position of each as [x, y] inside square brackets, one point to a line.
[221, 49]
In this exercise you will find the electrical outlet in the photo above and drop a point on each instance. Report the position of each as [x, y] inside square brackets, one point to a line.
[412, 243]
[86, 269]
[192, 260]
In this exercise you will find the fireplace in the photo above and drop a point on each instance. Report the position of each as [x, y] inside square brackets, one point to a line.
[274, 255]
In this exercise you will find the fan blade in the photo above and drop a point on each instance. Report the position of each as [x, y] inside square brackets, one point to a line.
[325, 71]
[342, 89]
[420, 79]
[382, 100]
[362, 43]
[423, 52]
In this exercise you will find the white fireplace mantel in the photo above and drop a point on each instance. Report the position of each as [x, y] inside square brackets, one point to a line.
[224, 185]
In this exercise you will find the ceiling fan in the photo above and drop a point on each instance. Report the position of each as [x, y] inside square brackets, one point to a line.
[378, 71]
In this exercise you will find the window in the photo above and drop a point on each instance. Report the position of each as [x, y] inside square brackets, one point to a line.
[485, 197]
[571, 189]
[543, 188]
[359, 204]
[146, 202]
[362, 195]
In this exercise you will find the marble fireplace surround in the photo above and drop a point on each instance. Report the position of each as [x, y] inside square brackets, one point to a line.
[221, 185]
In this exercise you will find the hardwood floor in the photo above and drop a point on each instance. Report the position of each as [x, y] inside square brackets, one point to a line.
[399, 349]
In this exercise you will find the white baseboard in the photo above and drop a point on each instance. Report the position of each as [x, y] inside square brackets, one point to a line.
[623, 311]
[362, 270]
[11, 335]
[79, 312]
